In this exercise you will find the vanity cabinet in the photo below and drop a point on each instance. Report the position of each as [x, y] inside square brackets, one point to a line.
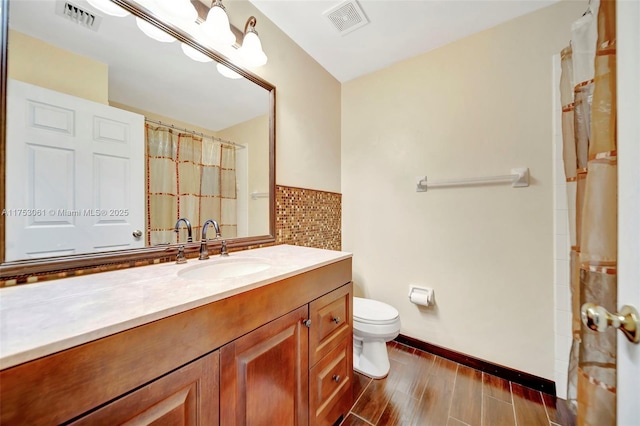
[296, 370]
[187, 396]
[248, 358]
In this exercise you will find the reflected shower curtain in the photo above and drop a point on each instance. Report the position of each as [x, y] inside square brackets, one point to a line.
[588, 96]
[188, 176]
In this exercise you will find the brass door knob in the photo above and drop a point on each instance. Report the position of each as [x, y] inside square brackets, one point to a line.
[599, 319]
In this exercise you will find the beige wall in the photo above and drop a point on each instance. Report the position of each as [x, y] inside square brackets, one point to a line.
[307, 107]
[253, 134]
[476, 107]
[56, 69]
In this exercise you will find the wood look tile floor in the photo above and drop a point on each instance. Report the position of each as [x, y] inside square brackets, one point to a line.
[425, 389]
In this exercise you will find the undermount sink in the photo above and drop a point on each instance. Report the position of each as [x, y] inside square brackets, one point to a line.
[224, 268]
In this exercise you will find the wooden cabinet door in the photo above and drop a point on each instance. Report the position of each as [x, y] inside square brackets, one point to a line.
[187, 396]
[264, 375]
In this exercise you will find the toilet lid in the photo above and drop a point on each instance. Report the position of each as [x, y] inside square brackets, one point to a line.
[373, 311]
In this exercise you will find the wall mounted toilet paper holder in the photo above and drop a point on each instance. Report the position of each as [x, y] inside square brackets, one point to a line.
[422, 296]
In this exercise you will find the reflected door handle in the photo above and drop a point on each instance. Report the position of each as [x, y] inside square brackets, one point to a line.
[137, 233]
[599, 319]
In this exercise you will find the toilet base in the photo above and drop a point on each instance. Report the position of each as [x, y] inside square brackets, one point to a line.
[371, 358]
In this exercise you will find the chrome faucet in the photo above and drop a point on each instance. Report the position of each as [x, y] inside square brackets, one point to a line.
[186, 222]
[204, 253]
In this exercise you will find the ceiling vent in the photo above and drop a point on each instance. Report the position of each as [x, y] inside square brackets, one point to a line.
[78, 15]
[346, 17]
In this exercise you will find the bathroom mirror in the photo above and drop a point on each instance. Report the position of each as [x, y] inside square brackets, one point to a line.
[195, 126]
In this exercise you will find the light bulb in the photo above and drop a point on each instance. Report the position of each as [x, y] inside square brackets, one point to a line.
[154, 32]
[216, 27]
[251, 51]
[179, 10]
[194, 54]
[108, 7]
[227, 72]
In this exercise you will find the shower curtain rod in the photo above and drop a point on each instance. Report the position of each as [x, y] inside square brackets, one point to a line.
[215, 138]
[518, 178]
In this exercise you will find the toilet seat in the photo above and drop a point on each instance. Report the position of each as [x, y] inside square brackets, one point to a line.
[373, 322]
[368, 311]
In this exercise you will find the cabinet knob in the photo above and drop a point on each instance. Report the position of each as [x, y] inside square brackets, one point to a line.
[336, 320]
[307, 323]
[137, 233]
[336, 378]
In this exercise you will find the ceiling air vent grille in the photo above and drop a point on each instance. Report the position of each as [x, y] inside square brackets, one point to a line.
[78, 15]
[346, 17]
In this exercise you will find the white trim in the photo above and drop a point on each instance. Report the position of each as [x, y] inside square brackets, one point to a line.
[628, 68]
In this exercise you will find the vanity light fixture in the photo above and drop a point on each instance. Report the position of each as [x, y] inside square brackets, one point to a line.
[154, 32]
[178, 10]
[108, 7]
[216, 26]
[194, 54]
[251, 52]
[227, 72]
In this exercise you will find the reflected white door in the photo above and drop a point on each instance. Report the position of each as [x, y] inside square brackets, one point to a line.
[75, 175]
[628, 54]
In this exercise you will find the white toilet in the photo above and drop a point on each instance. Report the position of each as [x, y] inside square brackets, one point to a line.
[374, 324]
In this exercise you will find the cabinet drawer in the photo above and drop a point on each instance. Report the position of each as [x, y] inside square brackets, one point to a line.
[331, 321]
[330, 383]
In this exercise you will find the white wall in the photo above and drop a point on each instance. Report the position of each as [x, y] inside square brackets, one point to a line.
[253, 134]
[562, 247]
[476, 107]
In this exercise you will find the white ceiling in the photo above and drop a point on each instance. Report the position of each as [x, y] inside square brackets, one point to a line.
[397, 29]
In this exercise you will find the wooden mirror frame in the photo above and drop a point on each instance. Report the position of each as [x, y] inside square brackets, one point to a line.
[132, 257]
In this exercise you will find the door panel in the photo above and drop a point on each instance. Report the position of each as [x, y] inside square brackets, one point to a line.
[75, 175]
[51, 117]
[50, 182]
[110, 131]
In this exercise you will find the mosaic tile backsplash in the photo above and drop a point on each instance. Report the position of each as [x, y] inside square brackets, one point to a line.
[304, 217]
[309, 218]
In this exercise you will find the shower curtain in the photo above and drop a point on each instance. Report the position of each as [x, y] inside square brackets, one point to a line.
[588, 96]
[188, 176]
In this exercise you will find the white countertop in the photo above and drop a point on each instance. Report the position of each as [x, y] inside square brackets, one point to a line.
[42, 318]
